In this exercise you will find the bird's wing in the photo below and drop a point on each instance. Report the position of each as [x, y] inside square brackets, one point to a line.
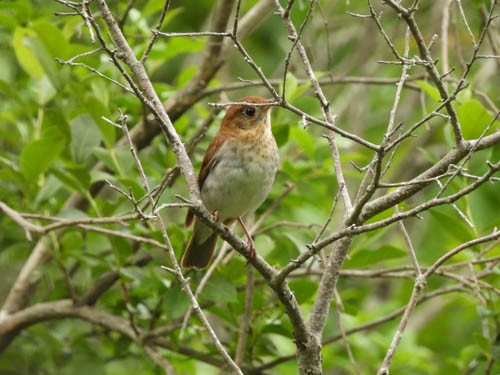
[211, 158]
[209, 162]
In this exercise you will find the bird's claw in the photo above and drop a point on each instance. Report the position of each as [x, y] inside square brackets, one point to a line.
[215, 215]
[251, 249]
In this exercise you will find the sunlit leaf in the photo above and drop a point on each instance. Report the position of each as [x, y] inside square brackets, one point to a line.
[25, 56]
[474, 119]
[429, 90]
[38, 155]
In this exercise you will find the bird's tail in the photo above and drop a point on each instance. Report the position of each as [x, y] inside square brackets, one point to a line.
[200, 248]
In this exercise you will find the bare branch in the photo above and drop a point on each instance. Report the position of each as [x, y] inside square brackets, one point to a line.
[156, 32]
[356, 229]
[417, 289]
[409, 244]
[247, 316]
[430, 66]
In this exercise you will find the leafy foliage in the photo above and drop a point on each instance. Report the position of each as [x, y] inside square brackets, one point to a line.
[60, 158]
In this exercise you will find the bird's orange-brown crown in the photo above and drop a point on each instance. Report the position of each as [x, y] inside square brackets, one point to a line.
[241, 116]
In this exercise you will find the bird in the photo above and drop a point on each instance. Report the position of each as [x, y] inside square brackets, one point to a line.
[236, 175]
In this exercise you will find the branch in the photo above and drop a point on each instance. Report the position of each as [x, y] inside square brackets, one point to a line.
[418, 287]
[430, 66]
[363, 327]
[142, 134]
[247, 316]
[314, 248]
[328, 80]
[309, 355]
[451, 158]
[10, 326]
[176, 267]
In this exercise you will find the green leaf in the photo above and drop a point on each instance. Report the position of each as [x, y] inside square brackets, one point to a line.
[464, 95]
[15, 12]
[186, 75]
[96, 105]
[452, 224]
[97, 242]
[85, 137]
[495, 351]
[178, 46]
[45, 90]
[8, 73]
[133, 185]
[284, 250]
[46, 61]
[305, 141]
[73, 178]
[381, 216]
[429, 154]
[49, 190]
[303, 290]
[429, 90]
[365, 257]
[132, 274]
[155, 6]
[29, 46]
[281, 133]
[220, 289]
[474, 119]
[291, 85]
[55, 123]
[483, 343]
[38, 155]
[126, 365]
[72, 239]
[279, 329]
[175, 302]
[297, 96]
[25, 56]
[53, 39]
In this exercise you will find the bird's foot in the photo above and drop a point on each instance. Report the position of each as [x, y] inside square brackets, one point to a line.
[215, 215]
[251, 248]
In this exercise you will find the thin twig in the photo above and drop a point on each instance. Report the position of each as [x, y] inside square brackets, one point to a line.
[123, 19]
[417, 290]
[154, 35]
[177, 270]
[466, 23]
[345, 340]
[364, 327]
[430, 66]
[356, 229]
[445, 21]
[330, 215]
[409, 244]
[246, 318]
[201, 285]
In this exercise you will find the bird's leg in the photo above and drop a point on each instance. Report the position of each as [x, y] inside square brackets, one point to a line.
[251, 245]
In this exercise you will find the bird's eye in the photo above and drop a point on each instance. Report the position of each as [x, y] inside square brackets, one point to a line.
[249, 111]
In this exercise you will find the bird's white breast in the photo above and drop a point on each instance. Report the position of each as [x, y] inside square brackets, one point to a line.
[242, 176]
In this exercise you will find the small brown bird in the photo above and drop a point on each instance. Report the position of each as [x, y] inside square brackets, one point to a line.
[236, 174]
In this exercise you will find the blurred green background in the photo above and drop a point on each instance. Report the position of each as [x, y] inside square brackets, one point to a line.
[52, 135]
